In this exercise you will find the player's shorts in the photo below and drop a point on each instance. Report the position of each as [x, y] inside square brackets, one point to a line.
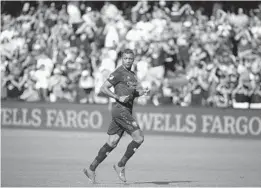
[122, 120]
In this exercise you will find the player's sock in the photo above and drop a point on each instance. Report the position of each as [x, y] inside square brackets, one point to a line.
[130, 151]
[102, 154]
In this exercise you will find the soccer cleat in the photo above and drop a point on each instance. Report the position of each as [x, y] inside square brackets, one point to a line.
[90, 175]
[121, 172]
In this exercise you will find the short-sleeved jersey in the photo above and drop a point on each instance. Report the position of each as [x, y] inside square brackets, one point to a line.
[125, 83]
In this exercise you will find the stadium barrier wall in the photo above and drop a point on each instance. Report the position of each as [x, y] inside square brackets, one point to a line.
[167, 120]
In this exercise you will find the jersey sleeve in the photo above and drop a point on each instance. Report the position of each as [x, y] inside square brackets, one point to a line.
[114, 78]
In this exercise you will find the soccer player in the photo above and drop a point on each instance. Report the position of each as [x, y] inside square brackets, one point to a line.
[125, 84]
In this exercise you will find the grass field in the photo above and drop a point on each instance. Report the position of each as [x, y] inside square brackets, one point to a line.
[33, 158]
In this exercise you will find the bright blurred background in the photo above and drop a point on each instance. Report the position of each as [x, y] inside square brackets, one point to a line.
[188, 53]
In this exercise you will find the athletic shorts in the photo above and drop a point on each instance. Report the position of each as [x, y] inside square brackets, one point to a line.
[122, 120]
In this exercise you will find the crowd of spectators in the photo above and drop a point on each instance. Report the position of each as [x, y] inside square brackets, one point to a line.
[185, 57]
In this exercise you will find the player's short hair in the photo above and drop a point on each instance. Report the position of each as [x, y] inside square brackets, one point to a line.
[127, 51]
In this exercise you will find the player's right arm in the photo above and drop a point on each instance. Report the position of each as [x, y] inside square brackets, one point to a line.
[105, 90]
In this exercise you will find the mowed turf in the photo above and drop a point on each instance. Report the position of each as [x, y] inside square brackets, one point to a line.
[56, 158]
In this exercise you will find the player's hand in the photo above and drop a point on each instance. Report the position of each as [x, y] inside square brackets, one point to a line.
[124, 99]
[145, 91]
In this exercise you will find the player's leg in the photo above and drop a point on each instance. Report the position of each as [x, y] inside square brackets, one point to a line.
[115, 133]
[137, 140]
[104, 151]
[129, 124]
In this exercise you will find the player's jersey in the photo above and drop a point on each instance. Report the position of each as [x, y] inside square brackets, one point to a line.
[125, 83]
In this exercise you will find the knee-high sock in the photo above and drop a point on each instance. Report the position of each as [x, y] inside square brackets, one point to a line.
[129, 152]
[102, 154]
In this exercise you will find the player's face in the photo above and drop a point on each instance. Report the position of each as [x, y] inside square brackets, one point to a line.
[127, 60]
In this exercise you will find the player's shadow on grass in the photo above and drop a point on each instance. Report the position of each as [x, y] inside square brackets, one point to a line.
[162, 182]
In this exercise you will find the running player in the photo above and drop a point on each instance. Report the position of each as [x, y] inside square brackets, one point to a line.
[125, 84]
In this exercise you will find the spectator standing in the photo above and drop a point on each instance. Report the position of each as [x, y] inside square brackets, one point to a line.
[86, 87]
[241, 95]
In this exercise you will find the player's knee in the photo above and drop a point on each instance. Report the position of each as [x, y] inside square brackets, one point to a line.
[113, 140]
[139, 139]
[138, 136]
[113, 143]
